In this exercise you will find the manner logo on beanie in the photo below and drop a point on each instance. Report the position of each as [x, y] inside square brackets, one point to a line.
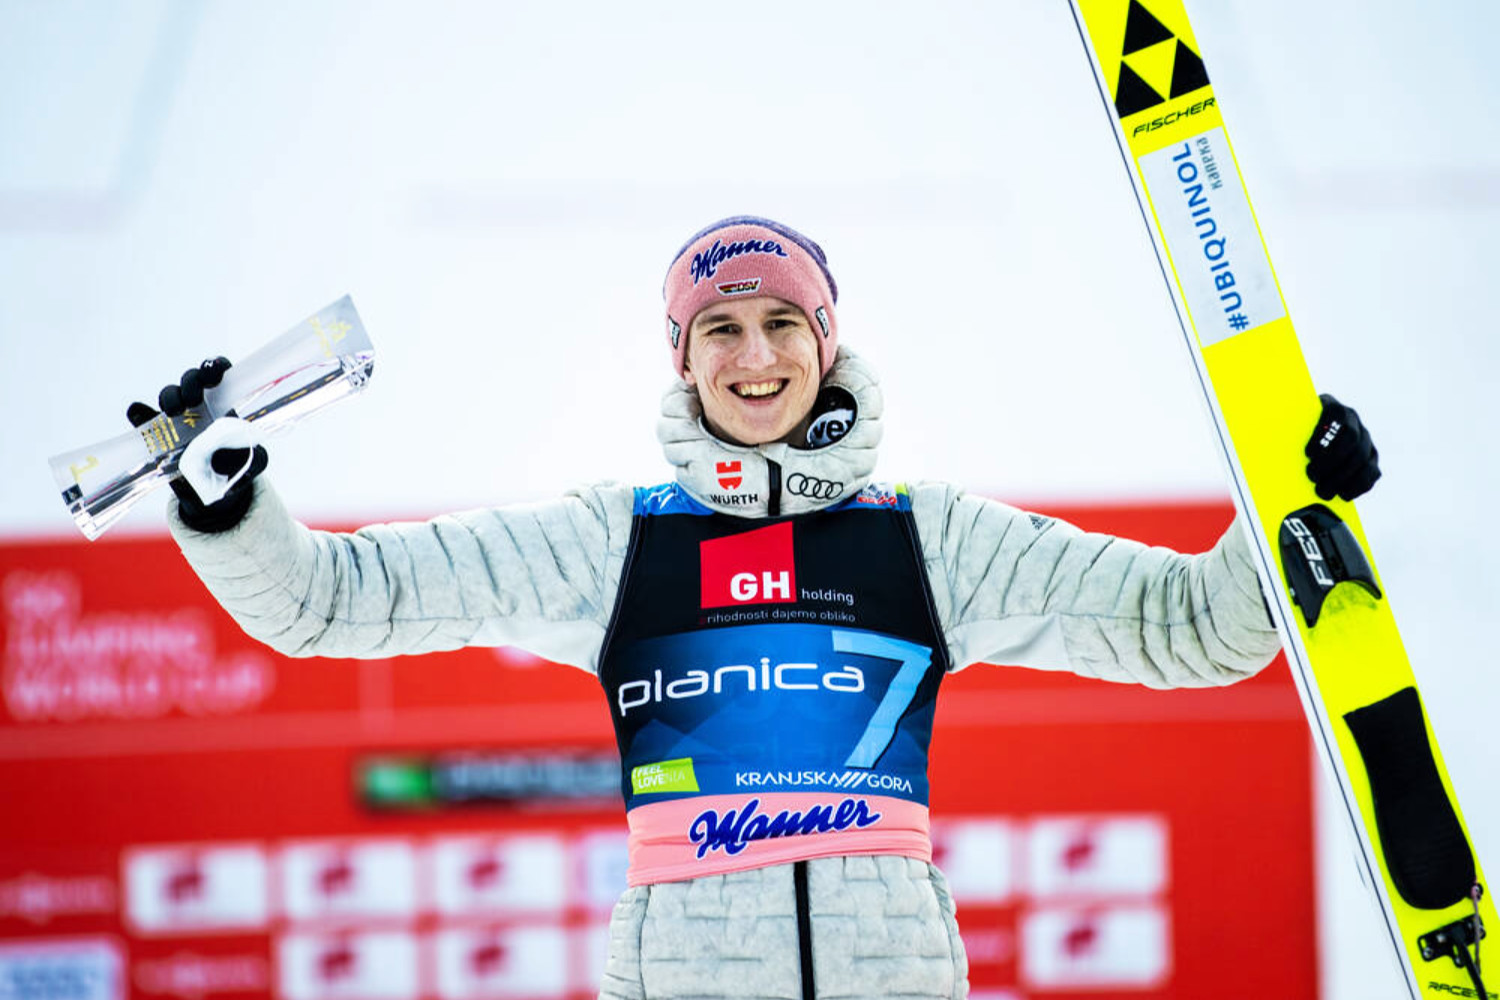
[706, 262]
[747, 256]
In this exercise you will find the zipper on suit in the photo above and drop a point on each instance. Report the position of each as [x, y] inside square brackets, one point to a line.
[773, 497]
[804, 930]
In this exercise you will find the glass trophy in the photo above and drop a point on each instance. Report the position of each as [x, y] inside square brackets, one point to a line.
[321, 360]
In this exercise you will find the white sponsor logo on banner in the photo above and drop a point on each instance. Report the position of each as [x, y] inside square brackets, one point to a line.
[61, 969]
[369, 966]
[62, 665]
[186, 889]
[479, 875]
[475, 963]
[1097, 856]
[330, 879]
[1095, 947]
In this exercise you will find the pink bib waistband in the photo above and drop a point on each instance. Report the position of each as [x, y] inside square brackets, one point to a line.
[715, 834]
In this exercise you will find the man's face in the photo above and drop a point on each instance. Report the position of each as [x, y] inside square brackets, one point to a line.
[755, 365]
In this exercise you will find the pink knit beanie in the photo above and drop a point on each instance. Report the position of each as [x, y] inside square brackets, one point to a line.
[746, 256]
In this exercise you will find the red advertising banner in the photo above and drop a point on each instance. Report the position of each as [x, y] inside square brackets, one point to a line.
[190, 815]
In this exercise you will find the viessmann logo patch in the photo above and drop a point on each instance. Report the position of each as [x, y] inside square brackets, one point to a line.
[754, 567]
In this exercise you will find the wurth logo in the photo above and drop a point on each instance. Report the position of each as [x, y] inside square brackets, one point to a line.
[755, 567]
[730, 476]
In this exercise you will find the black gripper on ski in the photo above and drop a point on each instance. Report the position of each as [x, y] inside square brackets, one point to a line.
[1428, 856]
[1319, 552]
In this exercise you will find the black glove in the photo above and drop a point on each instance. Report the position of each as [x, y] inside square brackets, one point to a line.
[1341, 458]
[226, 512]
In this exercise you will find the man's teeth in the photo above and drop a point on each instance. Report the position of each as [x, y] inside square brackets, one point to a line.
[758, 388]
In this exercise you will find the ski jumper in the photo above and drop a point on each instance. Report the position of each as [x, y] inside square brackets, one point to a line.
[806, 889]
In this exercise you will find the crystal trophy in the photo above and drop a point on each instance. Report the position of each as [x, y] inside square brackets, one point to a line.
[321, 360]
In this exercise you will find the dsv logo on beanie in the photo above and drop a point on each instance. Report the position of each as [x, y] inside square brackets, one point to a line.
[753, 567]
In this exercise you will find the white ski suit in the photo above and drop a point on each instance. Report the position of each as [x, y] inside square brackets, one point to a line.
[1009, 587]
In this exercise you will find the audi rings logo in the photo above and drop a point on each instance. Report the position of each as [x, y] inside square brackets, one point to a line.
[809, 486]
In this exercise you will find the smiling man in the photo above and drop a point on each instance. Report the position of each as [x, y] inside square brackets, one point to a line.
[770, 628]
[756, 369]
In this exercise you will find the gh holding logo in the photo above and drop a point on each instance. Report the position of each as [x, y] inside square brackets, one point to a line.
[754, 567]
[771, 589]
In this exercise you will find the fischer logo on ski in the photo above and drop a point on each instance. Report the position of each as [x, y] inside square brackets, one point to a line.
[1154, 62]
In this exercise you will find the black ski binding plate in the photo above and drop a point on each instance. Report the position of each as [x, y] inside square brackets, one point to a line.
[1445, 942]
[1319, 552]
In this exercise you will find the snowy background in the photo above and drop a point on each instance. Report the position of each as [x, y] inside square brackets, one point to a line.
[500, 187]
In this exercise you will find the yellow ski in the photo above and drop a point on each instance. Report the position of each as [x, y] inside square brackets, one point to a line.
[1340, 636]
